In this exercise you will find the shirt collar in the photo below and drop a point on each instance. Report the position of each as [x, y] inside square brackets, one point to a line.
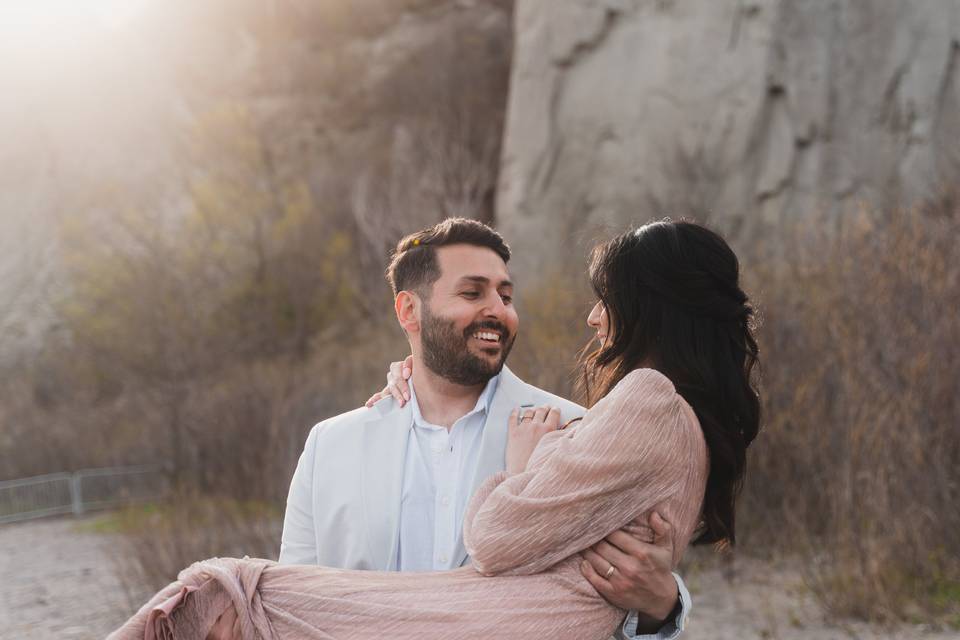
[483, 402]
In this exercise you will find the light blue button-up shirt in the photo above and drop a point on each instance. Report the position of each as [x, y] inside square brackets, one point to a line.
[439, 468]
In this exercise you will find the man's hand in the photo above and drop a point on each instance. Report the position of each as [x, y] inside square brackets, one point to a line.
[641, 580]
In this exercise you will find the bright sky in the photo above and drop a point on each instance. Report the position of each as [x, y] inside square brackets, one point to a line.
[77, 75]
[41, 19]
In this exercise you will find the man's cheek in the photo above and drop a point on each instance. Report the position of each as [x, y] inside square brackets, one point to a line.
[513, 324]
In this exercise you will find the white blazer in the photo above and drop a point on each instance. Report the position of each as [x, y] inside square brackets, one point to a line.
[343, 509]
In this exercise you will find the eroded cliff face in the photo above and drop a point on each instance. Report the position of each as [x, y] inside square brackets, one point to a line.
[750, 113]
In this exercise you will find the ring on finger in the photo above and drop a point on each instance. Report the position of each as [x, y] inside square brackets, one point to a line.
[610, 572]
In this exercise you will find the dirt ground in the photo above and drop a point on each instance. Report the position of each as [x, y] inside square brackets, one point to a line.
[753, 599]
[59, 581]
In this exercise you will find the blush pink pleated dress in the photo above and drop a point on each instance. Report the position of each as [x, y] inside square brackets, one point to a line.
[639, 449]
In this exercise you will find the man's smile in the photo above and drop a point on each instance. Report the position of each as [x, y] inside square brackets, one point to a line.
[489, 337]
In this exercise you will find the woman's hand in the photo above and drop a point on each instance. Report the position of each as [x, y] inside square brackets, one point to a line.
[397, 385]
[524, 430]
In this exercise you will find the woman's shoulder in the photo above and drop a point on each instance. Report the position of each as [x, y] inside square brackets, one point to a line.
[646, 380]
[645, 386]
[645, 407]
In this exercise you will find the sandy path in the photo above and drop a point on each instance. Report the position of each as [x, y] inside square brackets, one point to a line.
[755, 600]
[58, 581]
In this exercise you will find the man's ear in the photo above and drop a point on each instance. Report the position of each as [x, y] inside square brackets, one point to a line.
[407, 306]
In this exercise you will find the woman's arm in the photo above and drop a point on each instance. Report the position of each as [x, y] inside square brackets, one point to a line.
[632, 451]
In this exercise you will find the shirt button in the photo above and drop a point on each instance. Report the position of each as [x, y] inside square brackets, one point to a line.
[443, 558]
[444, 500]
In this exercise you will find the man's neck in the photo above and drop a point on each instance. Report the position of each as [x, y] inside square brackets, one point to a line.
[442, 402]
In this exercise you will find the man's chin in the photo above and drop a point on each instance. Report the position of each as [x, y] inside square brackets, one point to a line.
[494, 362]
[492, 357]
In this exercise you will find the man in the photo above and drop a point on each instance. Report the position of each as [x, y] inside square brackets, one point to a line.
[385, 487]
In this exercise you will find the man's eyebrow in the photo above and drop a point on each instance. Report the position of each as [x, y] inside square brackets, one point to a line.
[486, 280]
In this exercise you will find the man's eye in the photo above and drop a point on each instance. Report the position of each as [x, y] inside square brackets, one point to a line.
[506, 299]
[471, 295]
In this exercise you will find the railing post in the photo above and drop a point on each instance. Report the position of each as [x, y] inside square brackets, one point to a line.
[76, 497]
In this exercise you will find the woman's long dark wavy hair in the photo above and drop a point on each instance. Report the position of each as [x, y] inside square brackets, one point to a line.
[673, 298]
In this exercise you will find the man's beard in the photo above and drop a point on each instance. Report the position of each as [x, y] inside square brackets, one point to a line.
[445, 350]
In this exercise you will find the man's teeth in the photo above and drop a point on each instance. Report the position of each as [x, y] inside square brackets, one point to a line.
[486, 335]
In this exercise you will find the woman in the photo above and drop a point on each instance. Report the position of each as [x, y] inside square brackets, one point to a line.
[674, 412]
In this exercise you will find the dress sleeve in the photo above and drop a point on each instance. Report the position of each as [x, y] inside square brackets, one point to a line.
[631, 452]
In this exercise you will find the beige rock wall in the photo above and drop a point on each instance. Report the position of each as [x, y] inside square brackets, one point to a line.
[749, 112]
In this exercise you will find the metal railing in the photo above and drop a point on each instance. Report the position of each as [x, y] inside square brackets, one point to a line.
[79, 492]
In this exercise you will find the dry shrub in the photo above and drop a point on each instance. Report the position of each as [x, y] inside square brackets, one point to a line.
[247, 429]
[553, 327]
[250, 423]
[859, 461]
[156, 542]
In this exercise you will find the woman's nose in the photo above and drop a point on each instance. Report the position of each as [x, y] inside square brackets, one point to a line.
[593, 319]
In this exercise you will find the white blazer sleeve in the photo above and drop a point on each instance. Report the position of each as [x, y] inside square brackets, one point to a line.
[298, 543]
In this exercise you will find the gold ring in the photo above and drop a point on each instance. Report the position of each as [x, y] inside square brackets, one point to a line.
[610, 572]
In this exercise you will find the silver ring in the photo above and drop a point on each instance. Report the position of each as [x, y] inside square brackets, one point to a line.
[610, 572]
[526, 418]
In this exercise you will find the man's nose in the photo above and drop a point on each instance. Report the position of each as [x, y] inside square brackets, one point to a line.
[495, 307]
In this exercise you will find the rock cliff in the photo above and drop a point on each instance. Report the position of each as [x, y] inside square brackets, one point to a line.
[750, 113]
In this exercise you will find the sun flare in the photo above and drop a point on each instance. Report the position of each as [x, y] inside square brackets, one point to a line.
[35, 18]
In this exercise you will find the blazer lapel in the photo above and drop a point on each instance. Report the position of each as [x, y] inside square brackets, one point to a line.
[493, 443]
[384, 454]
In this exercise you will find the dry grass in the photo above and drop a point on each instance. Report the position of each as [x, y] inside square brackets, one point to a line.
[160, 540]
[859, 464]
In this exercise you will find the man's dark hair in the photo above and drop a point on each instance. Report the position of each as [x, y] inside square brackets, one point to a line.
[414, 265]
